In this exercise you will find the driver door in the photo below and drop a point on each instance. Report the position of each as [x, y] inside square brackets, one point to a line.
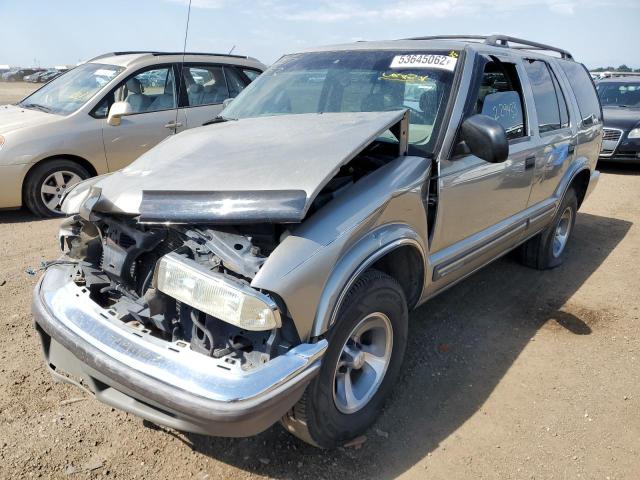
[481, 207]
[151, 94]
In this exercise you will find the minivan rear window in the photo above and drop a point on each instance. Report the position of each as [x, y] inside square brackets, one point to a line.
[584, 90]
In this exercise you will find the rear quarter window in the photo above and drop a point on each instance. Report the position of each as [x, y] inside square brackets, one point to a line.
[584, 90]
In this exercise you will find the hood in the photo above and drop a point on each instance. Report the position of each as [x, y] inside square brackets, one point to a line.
[267, 168]
[13, 117]
[624, 118]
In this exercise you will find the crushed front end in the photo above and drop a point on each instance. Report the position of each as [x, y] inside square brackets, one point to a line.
[161, 321]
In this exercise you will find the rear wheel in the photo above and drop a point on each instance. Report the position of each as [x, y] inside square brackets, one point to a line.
[547, 249]
[360, 367]
[47, 183]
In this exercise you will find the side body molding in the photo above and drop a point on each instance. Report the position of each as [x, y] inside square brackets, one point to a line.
[312, 266]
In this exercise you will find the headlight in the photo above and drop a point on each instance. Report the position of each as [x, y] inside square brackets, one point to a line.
[635, 133]
[215, 294]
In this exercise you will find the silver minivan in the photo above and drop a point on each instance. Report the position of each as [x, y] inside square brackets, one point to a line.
[105, 113]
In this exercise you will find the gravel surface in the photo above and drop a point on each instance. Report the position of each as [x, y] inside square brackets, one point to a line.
[15, 91]
[513, 373]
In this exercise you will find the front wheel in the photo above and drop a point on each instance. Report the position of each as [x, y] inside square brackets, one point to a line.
[47, 183]
[360, 367]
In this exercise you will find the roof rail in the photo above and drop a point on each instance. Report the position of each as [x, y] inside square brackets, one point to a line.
[502, 41]
[158, 54]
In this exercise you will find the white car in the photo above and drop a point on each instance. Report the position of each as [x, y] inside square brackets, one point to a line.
[105, 113]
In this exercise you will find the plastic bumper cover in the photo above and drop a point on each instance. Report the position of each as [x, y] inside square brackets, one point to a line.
[157, 380]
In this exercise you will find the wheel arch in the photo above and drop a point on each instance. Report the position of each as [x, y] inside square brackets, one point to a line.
[578, 176]
[580, 183]
[86, 164]
[392, 249]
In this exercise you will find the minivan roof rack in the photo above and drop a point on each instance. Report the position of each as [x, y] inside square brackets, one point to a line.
[158, 54]
[502, 41]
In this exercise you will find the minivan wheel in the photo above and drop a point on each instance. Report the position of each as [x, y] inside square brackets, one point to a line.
[363, 360]
[547, 249]
[47, 183]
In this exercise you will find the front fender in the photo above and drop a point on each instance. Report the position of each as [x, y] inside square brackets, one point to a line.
[310, 268]
[355, 261]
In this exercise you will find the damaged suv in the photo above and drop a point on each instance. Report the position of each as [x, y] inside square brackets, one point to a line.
[262, 267]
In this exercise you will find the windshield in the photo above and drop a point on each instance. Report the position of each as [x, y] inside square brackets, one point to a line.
[622, 94]
[356, 81]
[70, 91]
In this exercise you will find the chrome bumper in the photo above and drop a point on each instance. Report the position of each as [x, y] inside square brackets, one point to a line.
[164, 382]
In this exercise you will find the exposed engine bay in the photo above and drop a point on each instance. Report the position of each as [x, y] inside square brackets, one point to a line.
[118, 260]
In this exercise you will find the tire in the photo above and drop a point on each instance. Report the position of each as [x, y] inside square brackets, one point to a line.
[323, 417]
[543, 251]
[51, 175]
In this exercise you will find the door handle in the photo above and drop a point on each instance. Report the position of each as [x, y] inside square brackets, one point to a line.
[173, 125]
[529, 162]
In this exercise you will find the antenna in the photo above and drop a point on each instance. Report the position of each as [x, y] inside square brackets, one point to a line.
[180, 75]
[232, 49]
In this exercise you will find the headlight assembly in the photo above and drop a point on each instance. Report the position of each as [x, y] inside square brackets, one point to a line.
[215, 294]
[635, 133]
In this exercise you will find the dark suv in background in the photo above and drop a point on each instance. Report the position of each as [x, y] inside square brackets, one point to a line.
[620, 98]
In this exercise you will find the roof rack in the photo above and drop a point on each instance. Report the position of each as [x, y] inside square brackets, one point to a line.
[159, 54]
[502, 41]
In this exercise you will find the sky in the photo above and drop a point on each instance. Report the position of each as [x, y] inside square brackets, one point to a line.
[54, 32]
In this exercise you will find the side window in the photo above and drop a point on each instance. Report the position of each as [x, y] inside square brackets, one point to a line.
[251, 74]
[550, 104]
[235, 82]
[150, 91]
[205, 85]
[500, 97]
[585, 92]
[102, 109]
[562, 102]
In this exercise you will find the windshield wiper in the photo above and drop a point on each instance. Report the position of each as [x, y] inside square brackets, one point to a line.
[37, 106]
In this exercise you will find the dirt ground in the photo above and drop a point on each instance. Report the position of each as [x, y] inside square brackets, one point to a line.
[15, 91]
[513, 373]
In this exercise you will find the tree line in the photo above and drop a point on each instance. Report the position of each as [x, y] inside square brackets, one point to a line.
[621, 68]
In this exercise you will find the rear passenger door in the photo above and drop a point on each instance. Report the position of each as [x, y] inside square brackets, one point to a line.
[552, 130]
[587, 107]
[204, 89]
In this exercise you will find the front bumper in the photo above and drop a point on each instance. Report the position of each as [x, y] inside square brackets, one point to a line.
[627, 150]
[11, 180]
[160, 381]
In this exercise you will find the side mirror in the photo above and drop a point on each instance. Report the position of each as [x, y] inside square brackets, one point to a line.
[226, 102]
[117, 111]
[485, 138]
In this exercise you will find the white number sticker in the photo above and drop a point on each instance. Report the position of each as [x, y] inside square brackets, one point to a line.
[442, 62]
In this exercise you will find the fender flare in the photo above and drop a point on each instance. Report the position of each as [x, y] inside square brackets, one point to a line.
[361, 256]
[577, 166]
